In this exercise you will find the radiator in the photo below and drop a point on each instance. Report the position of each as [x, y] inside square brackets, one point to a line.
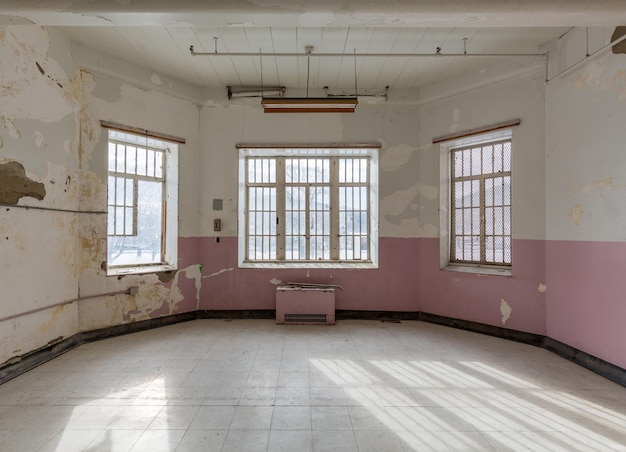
[305, 305]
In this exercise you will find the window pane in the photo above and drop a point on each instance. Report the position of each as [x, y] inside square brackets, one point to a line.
[111, 221]
[476, 155]
[120, 157]
[150, 157]
[506, 156]
[112, 161]
[131, 160]
[141, 161]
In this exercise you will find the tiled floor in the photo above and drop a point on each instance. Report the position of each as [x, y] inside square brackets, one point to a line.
[251, 385]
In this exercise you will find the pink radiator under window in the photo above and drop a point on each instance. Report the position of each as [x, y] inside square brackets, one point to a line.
[305, 305]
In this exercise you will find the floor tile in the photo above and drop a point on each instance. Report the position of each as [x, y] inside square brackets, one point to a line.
[359, 385]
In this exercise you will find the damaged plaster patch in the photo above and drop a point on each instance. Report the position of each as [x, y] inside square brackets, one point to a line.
[275, 281]
[456, 115]
[14, 184]
[505, 310]
[542, 288]
[156, 79]
[195, 272]
[22, 88]
[396, 157]
[166, 277]
[620, 47]
[40, 141]
[576, 214]
[8, 124]
[400, 201]
[224, 270]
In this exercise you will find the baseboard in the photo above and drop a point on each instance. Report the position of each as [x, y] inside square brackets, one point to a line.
[490, 330]
[19, 365]
[27, 362]
[594, 364]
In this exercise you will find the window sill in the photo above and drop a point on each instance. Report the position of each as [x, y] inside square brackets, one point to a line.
[478, 270]
[140, 270]
[312, 265]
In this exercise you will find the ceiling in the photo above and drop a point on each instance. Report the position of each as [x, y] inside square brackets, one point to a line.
[165, 50]
[157, 35]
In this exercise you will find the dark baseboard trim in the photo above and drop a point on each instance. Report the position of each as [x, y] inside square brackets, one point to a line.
[135, 327]
[594, 364]
[238, 315]
[489, 330]
[18, 366]
[382, 316]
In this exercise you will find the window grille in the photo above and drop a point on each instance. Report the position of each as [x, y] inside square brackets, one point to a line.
[308, 208]
[481, 204]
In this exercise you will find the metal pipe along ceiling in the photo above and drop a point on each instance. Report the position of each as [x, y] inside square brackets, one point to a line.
[365, 55]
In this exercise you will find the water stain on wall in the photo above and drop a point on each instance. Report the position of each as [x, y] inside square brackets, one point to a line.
[576, 214]
[14, 184]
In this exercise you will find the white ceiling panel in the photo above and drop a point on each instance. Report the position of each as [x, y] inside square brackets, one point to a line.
[165, 49]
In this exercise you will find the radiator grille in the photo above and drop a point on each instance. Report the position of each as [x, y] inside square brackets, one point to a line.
[305, 318]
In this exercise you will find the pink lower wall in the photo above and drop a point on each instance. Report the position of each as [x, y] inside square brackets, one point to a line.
[408, 279]
[576, 298]
[478, 297]
[391, 287]
[586, 297]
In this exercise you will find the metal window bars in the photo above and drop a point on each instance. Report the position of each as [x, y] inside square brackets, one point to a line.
[481, 204]
[307, 208]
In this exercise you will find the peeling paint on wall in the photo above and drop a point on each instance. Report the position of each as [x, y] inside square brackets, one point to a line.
[224, 270]
[10, 126]
[576, 214]
[456, 115]
[275, 281]
[621, 46]
[396, 157]
[166, 277]
[542, 288]
[505, 310]
[156, 79]
[40, 141]
[14, 184]
[32, 77]
[195, 272]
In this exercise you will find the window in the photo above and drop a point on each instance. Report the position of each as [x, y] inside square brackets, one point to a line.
[480, 230]
[308, 206]
[141, 200]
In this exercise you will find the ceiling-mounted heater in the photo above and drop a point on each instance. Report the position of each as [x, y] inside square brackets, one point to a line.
[242, 91]
[308, 104]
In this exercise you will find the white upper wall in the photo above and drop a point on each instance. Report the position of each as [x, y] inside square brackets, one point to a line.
[517, 98]
[585, 136]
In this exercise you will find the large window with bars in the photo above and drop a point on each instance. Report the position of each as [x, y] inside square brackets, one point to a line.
[308, 205]
[481, 204]
[141, 202]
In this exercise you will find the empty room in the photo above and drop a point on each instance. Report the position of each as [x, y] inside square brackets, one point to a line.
[314, 225]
